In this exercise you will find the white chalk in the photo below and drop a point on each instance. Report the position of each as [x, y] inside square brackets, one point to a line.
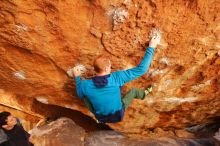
[164, 60]
[79, 67]
[120, 15]
[155, 32]
[180, 100]
[21, 27]
[20, 75]
[42, 99]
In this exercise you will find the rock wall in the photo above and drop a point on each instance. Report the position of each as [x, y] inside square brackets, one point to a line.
[41, 39]
[64, 132]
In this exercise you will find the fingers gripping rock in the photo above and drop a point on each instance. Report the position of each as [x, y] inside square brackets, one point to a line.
[81, 68]
[78, 67]
[155, 33]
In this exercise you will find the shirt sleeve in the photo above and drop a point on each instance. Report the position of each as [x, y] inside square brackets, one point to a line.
[79, 87]
[121, 77]
[3, 137]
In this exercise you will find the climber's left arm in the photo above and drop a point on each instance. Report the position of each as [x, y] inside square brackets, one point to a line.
[123, 76]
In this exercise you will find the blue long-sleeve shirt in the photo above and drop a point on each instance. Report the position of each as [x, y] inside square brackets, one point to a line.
[107, 100]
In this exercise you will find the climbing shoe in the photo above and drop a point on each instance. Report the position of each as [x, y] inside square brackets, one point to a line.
[148, 90]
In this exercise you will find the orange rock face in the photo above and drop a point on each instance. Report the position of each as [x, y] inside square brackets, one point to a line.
[41, 39]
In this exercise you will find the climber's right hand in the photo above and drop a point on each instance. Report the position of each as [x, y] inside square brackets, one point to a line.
[155, 36]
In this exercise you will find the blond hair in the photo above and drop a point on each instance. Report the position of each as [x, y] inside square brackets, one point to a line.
[100, 63]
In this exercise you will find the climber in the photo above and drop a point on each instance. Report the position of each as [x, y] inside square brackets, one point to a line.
[12, 132]
[102, 93]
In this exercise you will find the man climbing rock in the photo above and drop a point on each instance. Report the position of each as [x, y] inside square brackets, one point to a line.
[12, 132]
[102, 93]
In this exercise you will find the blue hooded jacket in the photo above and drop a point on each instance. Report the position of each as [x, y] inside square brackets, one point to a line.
[104, 92]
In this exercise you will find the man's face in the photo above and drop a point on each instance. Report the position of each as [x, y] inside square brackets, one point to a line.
[11, 122]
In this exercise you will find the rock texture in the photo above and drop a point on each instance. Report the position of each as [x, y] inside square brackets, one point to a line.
[64, 132]
[110, 138]
[41, 39]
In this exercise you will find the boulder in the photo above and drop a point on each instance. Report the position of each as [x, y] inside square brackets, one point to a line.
[111, 138]
[41, 39]
[61, 132]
